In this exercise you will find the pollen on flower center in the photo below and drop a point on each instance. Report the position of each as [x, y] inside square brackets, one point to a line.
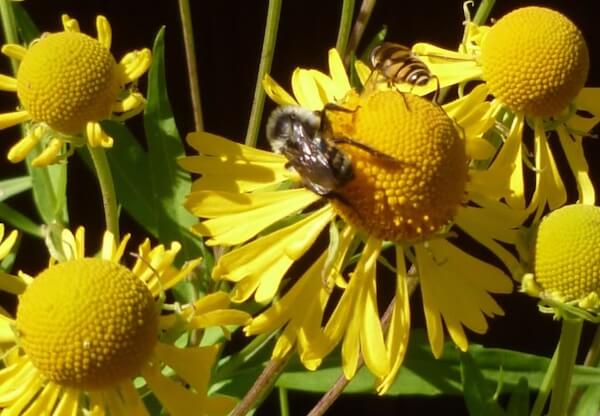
[67, 79]
[414, 182]
[87, 323]
[567, 253]
[535, 61]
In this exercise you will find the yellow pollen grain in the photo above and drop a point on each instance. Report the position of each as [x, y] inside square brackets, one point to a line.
[67, 79]
[87, 323]
[535, 61]
[567, 253]
[414, 190]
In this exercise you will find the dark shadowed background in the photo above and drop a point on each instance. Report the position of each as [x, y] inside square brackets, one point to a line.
[228, 37]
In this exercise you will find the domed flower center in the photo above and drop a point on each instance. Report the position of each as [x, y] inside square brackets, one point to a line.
[567, 253]
[67, 79]
[535, 61]
[87, 323]
[413, 180]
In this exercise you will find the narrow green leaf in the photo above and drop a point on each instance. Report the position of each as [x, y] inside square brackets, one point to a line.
[14, 186]
[28, 31]
[13, 217]
[130, 169]
[478, 392]
[518, 405]
[170, 183]
[589, 402]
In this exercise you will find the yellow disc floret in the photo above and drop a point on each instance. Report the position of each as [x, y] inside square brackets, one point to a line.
[535, 61]
[67, 79]
[567, 253]
[87, 323]
[413, 182]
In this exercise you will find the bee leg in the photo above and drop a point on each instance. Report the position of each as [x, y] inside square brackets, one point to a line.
[366, 148]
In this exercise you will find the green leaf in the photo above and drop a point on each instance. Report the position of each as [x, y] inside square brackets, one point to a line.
[28, 31]
[170, 183]
[16, 219]
[130, 169]
[518, 405]
[14, 186]
[478, 393]
[423, 374]
[589, 402]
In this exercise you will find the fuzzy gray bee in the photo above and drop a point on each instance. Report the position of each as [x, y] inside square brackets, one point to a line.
[297, 133]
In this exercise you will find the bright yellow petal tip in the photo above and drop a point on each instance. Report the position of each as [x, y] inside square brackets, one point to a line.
[535, 61]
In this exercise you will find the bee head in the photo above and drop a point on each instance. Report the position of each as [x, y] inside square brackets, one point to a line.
[286, 124]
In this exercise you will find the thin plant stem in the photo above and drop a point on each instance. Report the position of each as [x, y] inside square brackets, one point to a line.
[364, 15]
[262, 385]
[483, 11]
[545, 387]
[568, 344]
[345, 25]
[338, 387]
[190, 58]
[266, 59]
[284, 405]
[9, 28]
[107, 188]
[592, 359]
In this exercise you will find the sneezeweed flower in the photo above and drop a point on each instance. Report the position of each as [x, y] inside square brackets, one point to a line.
[566, 259]
[67, 82]
[86, 326]
[534, 62]
[249, 199]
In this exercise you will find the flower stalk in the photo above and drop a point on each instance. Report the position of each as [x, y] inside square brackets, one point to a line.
[107, 188]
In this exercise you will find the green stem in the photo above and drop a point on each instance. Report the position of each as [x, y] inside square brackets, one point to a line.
[107, 188]
[345, 25]
[570, 334]
[9, 27]
[483, 11]
[266, 59]
[545, 387]
[190, 57]
[591, 360]
[284, 405]
[364, 14]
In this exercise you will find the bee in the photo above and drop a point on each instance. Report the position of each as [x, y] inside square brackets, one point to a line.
[297, 133]
[398, 64]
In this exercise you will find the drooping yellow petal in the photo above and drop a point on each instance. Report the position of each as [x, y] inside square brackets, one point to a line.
[260, 265]
[131, 105]
[19, 151]
[104, 31]
[399, 329]
[219, 318]
[276, 92]
[6, 244]
[587, 114]
[97, 136]
[68, 403]
[12, 284]
[46, 400]
[447, 274]
[573, 147]
[242, 216]
[49, 154]
[132, 400]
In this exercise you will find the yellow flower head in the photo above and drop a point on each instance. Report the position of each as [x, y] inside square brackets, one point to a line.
[567, 257]
[409, 180]
[67, 83]
[535, 61]
[417, 187]
[86, 326]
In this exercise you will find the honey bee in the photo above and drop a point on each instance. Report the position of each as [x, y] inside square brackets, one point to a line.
[398, 64]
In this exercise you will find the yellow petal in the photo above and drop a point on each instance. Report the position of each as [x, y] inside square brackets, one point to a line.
[8, 83]
[573, 147]
[587, 115]
[14, 51]
[306, 90]
[338, 74]
[194, 365]
[8, 242]
[104, 31]
[70, 24]
[12, 119]
[131, 399]
[68, 404]
[276, 92]
[96, 136]
[49, 154]
[135, 64]
[12, 284]
[242, 216]
[46, 400]
[362, 70]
